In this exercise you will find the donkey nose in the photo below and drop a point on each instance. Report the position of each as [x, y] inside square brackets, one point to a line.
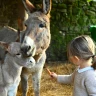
[31, 62]
[26, 48]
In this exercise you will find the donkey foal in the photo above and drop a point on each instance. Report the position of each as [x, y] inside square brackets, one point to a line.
[11, 69]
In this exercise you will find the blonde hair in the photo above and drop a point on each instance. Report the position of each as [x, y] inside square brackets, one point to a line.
[83, 47]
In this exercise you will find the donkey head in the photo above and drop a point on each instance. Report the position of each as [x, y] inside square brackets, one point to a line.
[15, 55]
[36, 38]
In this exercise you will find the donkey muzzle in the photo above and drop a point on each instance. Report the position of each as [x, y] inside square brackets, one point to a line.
[28, 50]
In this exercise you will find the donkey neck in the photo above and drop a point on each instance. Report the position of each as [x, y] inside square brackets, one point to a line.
[9, 60]
[11, 70]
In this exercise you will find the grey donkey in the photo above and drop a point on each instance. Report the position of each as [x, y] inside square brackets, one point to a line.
[11, 68]
[34, 42]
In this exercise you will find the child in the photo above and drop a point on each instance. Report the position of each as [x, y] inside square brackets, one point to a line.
[81, 52]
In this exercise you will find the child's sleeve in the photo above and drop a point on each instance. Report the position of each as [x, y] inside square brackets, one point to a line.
[66, 79]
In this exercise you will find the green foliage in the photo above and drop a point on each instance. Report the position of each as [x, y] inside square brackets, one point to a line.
[89, 1]
[69, 18]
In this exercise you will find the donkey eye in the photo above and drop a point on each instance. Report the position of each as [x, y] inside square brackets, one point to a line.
[18, 54]
[25, 25]
[42, 25]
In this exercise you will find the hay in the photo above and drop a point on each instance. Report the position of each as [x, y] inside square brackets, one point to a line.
[49, 87]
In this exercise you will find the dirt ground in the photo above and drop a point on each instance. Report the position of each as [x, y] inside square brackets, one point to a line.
[49, 87]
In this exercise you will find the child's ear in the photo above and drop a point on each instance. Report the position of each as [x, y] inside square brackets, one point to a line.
[75, 59]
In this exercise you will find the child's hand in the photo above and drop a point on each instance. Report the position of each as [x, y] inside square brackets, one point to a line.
[52, 74]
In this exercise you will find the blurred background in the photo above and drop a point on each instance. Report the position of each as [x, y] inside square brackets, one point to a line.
[69, 18]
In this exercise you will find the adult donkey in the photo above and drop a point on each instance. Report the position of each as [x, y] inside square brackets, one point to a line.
[35, 41]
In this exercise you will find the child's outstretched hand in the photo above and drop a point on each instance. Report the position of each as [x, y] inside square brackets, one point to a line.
[52, 74]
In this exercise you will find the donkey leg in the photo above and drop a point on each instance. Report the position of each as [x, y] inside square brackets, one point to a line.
[24, 83]
[12, 90]
[36, 78]
[3, 91]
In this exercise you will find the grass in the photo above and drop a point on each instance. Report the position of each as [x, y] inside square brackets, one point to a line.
[49, 86]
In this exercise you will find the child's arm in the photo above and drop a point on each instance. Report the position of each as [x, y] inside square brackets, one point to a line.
[66, 79]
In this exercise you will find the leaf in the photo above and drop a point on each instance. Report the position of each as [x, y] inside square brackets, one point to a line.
[89, 1]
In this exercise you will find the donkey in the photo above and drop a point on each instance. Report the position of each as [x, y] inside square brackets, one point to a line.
[11, 68]
[35, 42]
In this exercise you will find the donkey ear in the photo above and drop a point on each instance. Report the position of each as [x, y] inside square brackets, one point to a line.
[4, 45]
[47, 6]
[18, 38]
[28, 6]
